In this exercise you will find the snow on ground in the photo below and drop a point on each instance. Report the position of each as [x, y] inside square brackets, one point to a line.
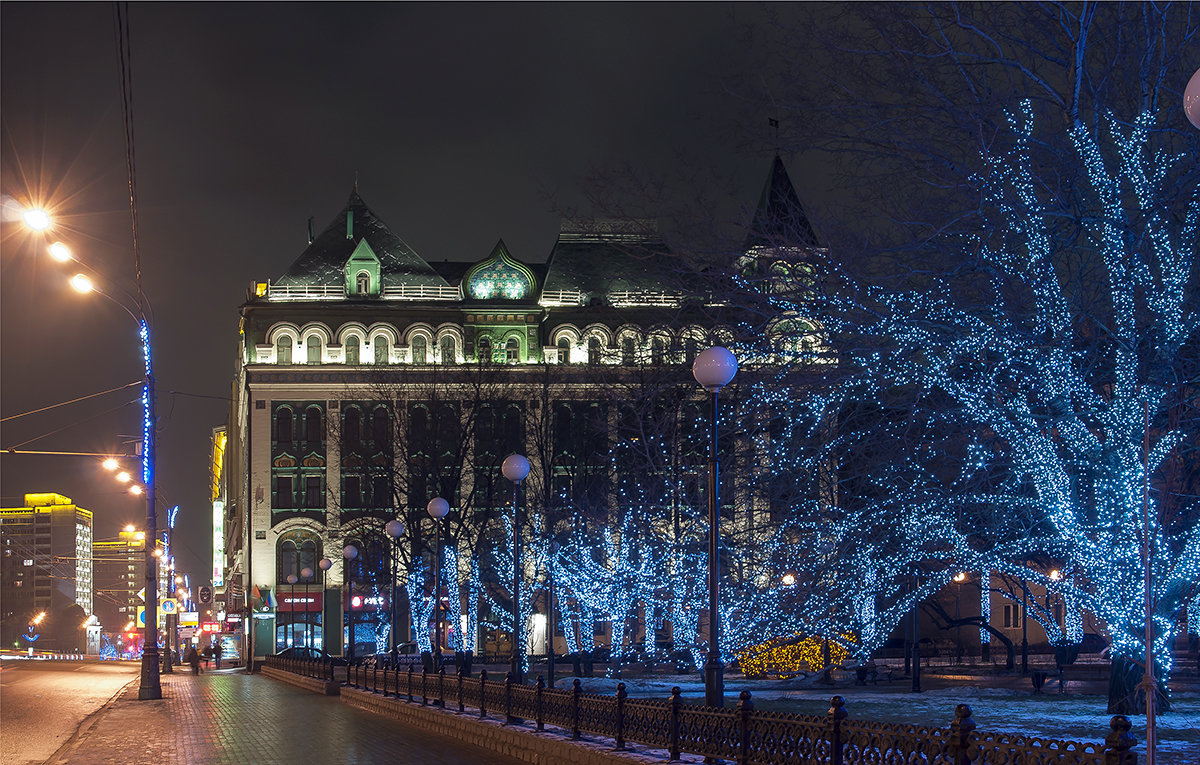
[1071, 716]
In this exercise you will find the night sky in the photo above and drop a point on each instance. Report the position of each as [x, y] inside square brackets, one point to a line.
[463, 123]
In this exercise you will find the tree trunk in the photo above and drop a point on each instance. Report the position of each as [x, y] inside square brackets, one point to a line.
[1125, 694]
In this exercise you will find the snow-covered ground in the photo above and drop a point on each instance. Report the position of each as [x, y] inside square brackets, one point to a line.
[1071, 716]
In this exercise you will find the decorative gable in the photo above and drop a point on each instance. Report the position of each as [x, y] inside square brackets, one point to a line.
[362, 272]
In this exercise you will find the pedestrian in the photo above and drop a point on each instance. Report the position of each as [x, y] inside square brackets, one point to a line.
[192, 657]
[217, 651]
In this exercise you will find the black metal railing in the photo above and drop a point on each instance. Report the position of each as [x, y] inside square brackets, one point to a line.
[740, 733]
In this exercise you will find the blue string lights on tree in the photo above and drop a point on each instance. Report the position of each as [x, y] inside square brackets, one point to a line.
[1036, 403]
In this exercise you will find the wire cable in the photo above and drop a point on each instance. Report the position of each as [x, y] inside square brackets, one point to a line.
[136, 383]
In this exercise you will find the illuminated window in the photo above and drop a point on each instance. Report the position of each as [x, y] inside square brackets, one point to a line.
[381, 350]
[418, 350]
[564, 350]
[283, 350]
[314, 349]
[352, 350]
[512, 351]
[362, 283]
[448, 351]
[485, 349]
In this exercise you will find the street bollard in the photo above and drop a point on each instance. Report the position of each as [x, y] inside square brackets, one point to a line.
[676, 703]
[576, 691]
[621, 696]
[833, 729]
[744, 708]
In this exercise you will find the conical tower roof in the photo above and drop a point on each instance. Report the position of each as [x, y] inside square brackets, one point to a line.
[323, 262]
[780, 219]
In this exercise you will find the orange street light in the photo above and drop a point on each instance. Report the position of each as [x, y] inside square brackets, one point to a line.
[37, 219]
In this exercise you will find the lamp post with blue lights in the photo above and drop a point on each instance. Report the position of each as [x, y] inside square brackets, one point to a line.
[713, 369]
[39, 220]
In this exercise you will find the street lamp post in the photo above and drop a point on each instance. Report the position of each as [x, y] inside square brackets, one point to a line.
[713, 369]
[291, 628]
[306, 574]
[515, 467]
[394, 530]
[324, 564]
[437, 509]
[149, 686]
[350, 552]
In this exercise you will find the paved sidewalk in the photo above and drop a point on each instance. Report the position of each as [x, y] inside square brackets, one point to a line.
[231, 717]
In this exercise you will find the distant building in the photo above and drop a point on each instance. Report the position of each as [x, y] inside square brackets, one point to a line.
[47, 556]
[120, 576]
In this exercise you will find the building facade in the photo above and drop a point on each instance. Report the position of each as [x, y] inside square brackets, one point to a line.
[47, 558]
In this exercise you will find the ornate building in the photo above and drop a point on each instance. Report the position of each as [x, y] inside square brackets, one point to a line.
[371, 380]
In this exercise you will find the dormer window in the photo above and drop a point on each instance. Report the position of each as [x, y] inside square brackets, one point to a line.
[362, 284]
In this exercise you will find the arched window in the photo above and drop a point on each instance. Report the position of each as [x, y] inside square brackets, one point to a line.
[564, 351]
[352, 429]
[287, 562]
[658, 350]
[283, 350]
[449, 354]
[362, 283]
[314, 433]
[418, 349]
[381, 429]
[381, 350]
[313, 343]
[283, 426]
[512, 351]
[627, 350]
[593, 350]
[689, 349]
[308, 559]
[485, 349]
[353, 350]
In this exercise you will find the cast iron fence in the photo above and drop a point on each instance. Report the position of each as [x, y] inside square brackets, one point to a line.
[741, 734]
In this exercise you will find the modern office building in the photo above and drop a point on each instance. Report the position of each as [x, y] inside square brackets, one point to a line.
[47, 557]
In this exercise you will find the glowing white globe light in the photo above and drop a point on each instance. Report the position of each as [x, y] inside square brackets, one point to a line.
[515, 468]
[1191, 100]
[714, 368]
[325, 564]
[350, 552]
[438, 507]
[394, 528]
[306, 573]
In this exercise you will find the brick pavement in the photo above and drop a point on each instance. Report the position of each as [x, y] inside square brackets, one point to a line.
[231, 717]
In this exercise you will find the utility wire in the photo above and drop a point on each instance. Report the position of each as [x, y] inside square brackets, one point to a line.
[136, 383]
[65, 427]
[125, 65]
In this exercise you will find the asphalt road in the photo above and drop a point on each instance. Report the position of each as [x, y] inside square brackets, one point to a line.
[42, 703]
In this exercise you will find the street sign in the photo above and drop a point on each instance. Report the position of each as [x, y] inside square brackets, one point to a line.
[205, 594]
[142, 594]
[168, 606]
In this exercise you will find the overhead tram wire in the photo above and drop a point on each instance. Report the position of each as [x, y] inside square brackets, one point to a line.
[133, 384]
[14, 447]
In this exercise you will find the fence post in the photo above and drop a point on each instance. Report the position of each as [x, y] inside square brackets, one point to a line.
[833, 728]
[410, 674]
[673, 734]
[508, 684]
[441, 699]
[745, 707]
[541, 687]
[462, 671]
[375, 677]
[1118, 743]
[483, 693]
[960, 735]
[620, 732]
[576, 690]
[424, 686]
